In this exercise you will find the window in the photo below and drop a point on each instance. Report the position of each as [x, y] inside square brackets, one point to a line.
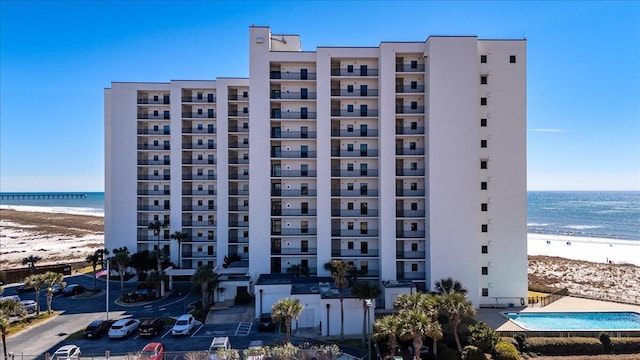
[414, 246]
[245, 141]
[485, 270]
[512, 59]
[483, 79]
[364, 227]
[414, 227]
[483, 143]
[483, 164]
[414, 166]
[414, 64]
[414, 125]
[414, 206]
[199, 111]
[414, 186]
[350, 206]
[414, 85]
[155, 203]
[483, 122]
[485, 292]
[349, 186]
[210, 235]
[349, 68]
[350, 225]
[245, 110]
[483, 59]
[155, 98]
[245, 125]
[414, 267]
[349, 128]
[483, 101]
[245, 156]
[349, 147]
[155, 112]
[349, 88]
[412, 145]
[245, 94]
[485, 228]
[349, 167]
[199, 95]
[349, 108]
[414, 105]
[484, 206]
[350, 245]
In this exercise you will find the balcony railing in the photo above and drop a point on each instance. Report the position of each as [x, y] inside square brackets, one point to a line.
[409, 172]
[198, 223]
[295, 231]
[238, 113]
[408, 89]
[354, 252]
[354, 72]
[236, 223]
[233, 176]
[199, 192]
[354, 133]
[300, 115]
[159, 101]
[151, 131]
[410, 234]
[238, 145]
[294, 251]
[409, 192]
[198, 146]
[199, 161]
[208, 130]
[410, 254]
[294, 212]
[354, 193]
[354, 233]
[195, 99]
[198, 208]
[154, 147]
[410, 131]
[196, 115]
[154, 192]
[238, 192]
[409, 151]
[153, 162]
[293, 173]
[234, 238]
[275, 95]
[354, 213]
[240, 97]
[199, 177]
[354, 153]
[153, 208]
[278, 75]
[354, 92]
[239, 129]
[293, 154]
[354, 173]
[238, 161]
[293, 192]
[354, 113]
[154, 116]
[410, 213]
[417, 275]
[198, 254]
[409, 67]
[233, 207]
[292, 134]
[409, 110]
[153, 177]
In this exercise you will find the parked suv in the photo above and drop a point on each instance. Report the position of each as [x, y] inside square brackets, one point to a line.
[218, 343]
[184, 325]
[150, 327]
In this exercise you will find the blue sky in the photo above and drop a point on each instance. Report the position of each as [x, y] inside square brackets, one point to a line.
[56, 57]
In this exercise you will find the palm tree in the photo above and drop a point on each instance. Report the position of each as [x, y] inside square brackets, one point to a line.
[36, 281]
[207, 279]
[416, 324]
[456, 306]
[180, 237]
[51, 278]
[8, 307]
[286, 309]
[450, 286]
[408, 301]
[157, 227]
[121, 260]
[31, 260]
[94, 260]
[388, 327]
[364, 291]
[339, 271]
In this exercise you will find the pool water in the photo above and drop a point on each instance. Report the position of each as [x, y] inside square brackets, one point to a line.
[576, 320]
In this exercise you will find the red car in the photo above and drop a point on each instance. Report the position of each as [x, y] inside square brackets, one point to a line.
[152, 351]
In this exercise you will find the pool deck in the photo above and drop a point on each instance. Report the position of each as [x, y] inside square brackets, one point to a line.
[494, 318]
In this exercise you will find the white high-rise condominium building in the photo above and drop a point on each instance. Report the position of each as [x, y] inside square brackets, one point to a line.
[407, 160]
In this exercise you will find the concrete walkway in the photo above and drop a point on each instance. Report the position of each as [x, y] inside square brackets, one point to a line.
[227, 313]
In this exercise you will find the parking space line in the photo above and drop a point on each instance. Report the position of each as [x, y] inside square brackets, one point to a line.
[165, 334]
[198, 329]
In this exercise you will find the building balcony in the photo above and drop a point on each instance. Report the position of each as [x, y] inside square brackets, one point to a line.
[195, 115]
[239, 113]
[277, 95]
[354, 173]
[294, 192]
[238, 129]
[354, 193]
[151, 131]
[236, 97]
[293, 154]
[203, 239]
[410, 213]
[355, 92]
[409, 67]
[238, 192]
[153, 177]
[416, 275]
[238, 145]
[354, 233]
[194, 99]
[189, 207]
[294, 251]
[199, 161]
[354, 133]
[153, 162]
[354, 153]
[409, 172]
[409, 192]
[408, 89]
[233, 207]
[409, 131]
[237, 239]
[303, 75]
[163, 116]
[294, 212]
[410, 254]
[354, 72]
[199, 177]
[403, 234]
[238, 161]
[409, 110]
[354, 252]
[295, 231]
[153, 192]
[199, 192]
[354, 113]
[165, 100]
[238, 224]
[195, 130]
[198, 254]
[198, 146]
[298, 115]
[354, 213]
[233, 176]
[154, 147]
[292, 134]
[409, 151]
[199, 223]
[149, 237]
[293, 173]
[153, 208]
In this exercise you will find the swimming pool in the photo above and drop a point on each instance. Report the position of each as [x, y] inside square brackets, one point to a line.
[563, 321]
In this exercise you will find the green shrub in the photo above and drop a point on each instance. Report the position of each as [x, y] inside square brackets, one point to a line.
[483, 337]
[447, 353]
[564, 346]
[625, 345]
[472, 353]
[521, 339]
[510, 340]
[605, 339]
[506, 351]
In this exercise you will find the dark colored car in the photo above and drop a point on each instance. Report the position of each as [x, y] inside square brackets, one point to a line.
[266, 323]
[96, 329]
[73, 289]
[150, 327]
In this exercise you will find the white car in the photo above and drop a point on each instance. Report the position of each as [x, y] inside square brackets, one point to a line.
[66, 352]
[123, 328]
[184, 325]
[30, 306]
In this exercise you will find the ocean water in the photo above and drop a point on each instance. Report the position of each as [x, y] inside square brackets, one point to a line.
[597, 214]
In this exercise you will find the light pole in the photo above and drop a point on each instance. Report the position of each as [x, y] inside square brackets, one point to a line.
[328, 326]
[107, 300]
[369, 330]
[261, 290]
